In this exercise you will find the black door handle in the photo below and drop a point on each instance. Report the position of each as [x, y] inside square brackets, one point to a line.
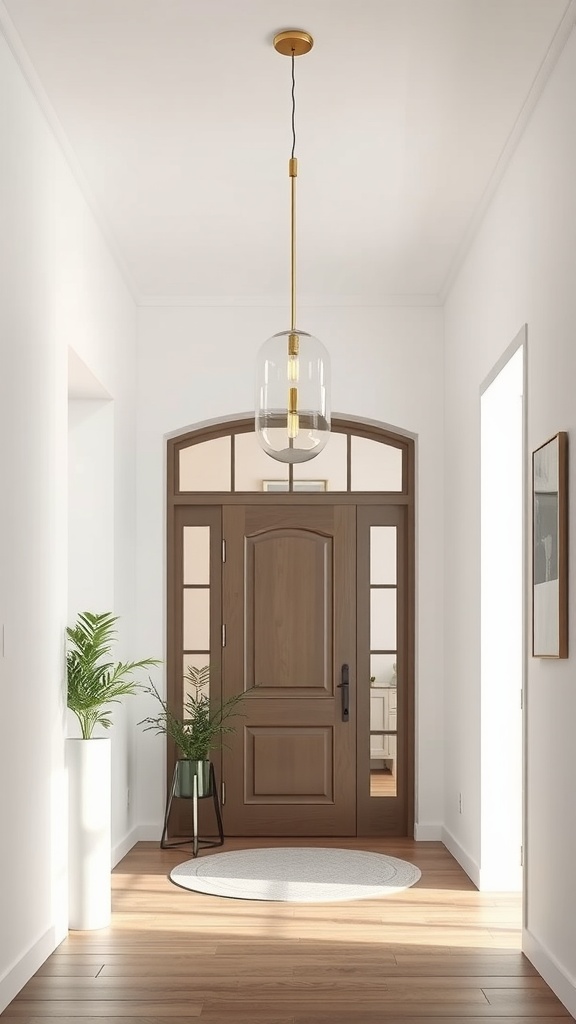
[344, 685]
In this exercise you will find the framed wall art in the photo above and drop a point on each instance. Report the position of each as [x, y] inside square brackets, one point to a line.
[550, 548]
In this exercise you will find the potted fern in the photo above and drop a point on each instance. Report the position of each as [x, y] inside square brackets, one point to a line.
[195, 733]
[94, 683]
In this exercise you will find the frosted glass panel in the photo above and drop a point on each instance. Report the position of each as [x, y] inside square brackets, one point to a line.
[382, 554]
[196, 620]
[383, 669]
[252, 465]
[196, 545]
[375, 466]
[196, 662]
[329, 465]
[206, 466]
[383, 620]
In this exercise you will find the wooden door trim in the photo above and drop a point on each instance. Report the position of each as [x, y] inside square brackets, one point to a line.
[245, 425]
[206, 516]
[177, 502]
[340, 425]
[385, 815]
[290, 498]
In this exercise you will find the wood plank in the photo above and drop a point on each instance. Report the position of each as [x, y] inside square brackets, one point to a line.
[190, 987]
[518, 1001]
[377, 1018]
[50, 970]
[339, 991]
[238, 1019]
[104, 1008]
[207, 969]
[358, 1009]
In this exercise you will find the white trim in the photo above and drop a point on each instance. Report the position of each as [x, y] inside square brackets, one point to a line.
[547, 65]
[25, 968]
[125, 845]
[519, 340]
[426, 832]
[138, 834]
[464, 859]
[555, 975]
[513, 879]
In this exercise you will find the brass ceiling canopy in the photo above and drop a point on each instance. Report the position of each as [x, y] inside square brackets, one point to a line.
[294, 41]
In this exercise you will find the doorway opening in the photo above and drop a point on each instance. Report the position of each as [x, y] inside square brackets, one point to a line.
[503, 618]
[295, 587]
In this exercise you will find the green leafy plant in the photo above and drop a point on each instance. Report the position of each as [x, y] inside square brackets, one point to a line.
[95, 682]
[200, 728]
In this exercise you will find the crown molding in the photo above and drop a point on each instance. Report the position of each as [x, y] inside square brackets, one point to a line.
[20, 54]
[547, 65]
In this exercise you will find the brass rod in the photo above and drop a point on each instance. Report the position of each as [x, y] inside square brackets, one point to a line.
[293, 171]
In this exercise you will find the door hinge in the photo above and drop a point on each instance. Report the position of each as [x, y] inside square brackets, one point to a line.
[223, 634]
[521, 700]
[521, 856]
[223, 550]
[222, 793]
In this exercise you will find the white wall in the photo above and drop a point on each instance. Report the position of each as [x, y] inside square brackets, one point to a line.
[90, 506]
[520, 269]
[58, 287]
[502, 624]
[101, 527]
[197, 364]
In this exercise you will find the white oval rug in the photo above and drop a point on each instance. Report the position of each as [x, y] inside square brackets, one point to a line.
[296, 874]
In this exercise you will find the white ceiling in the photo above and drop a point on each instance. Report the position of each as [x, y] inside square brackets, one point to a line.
[177, 115]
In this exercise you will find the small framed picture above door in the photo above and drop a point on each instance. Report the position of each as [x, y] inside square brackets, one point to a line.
[550, 548]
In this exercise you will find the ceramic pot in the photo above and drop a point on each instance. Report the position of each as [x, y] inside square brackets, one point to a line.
[186, 770]
[89, 832]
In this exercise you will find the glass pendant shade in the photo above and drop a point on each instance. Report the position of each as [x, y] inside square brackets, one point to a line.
[292, 396]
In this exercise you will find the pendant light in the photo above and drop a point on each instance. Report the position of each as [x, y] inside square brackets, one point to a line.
[293, 367]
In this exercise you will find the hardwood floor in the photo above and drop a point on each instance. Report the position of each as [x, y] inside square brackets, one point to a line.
[382, 783]
[440, 951]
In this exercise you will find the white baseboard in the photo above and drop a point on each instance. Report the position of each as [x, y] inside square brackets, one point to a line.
[124, 846]
[464, 859]
[140, 833]
[427, 832]
[21, 972]
[556, 976]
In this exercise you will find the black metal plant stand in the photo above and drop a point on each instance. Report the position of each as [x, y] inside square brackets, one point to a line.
[196, 840]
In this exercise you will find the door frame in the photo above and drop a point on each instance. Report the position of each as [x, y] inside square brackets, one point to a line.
[405, 498]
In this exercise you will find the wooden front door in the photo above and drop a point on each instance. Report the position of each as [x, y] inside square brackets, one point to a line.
[289, 614]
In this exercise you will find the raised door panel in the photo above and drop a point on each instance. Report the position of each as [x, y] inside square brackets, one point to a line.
[288, 618]
[289, 764]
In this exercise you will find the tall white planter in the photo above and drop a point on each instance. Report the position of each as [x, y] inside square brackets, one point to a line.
[90, 863]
